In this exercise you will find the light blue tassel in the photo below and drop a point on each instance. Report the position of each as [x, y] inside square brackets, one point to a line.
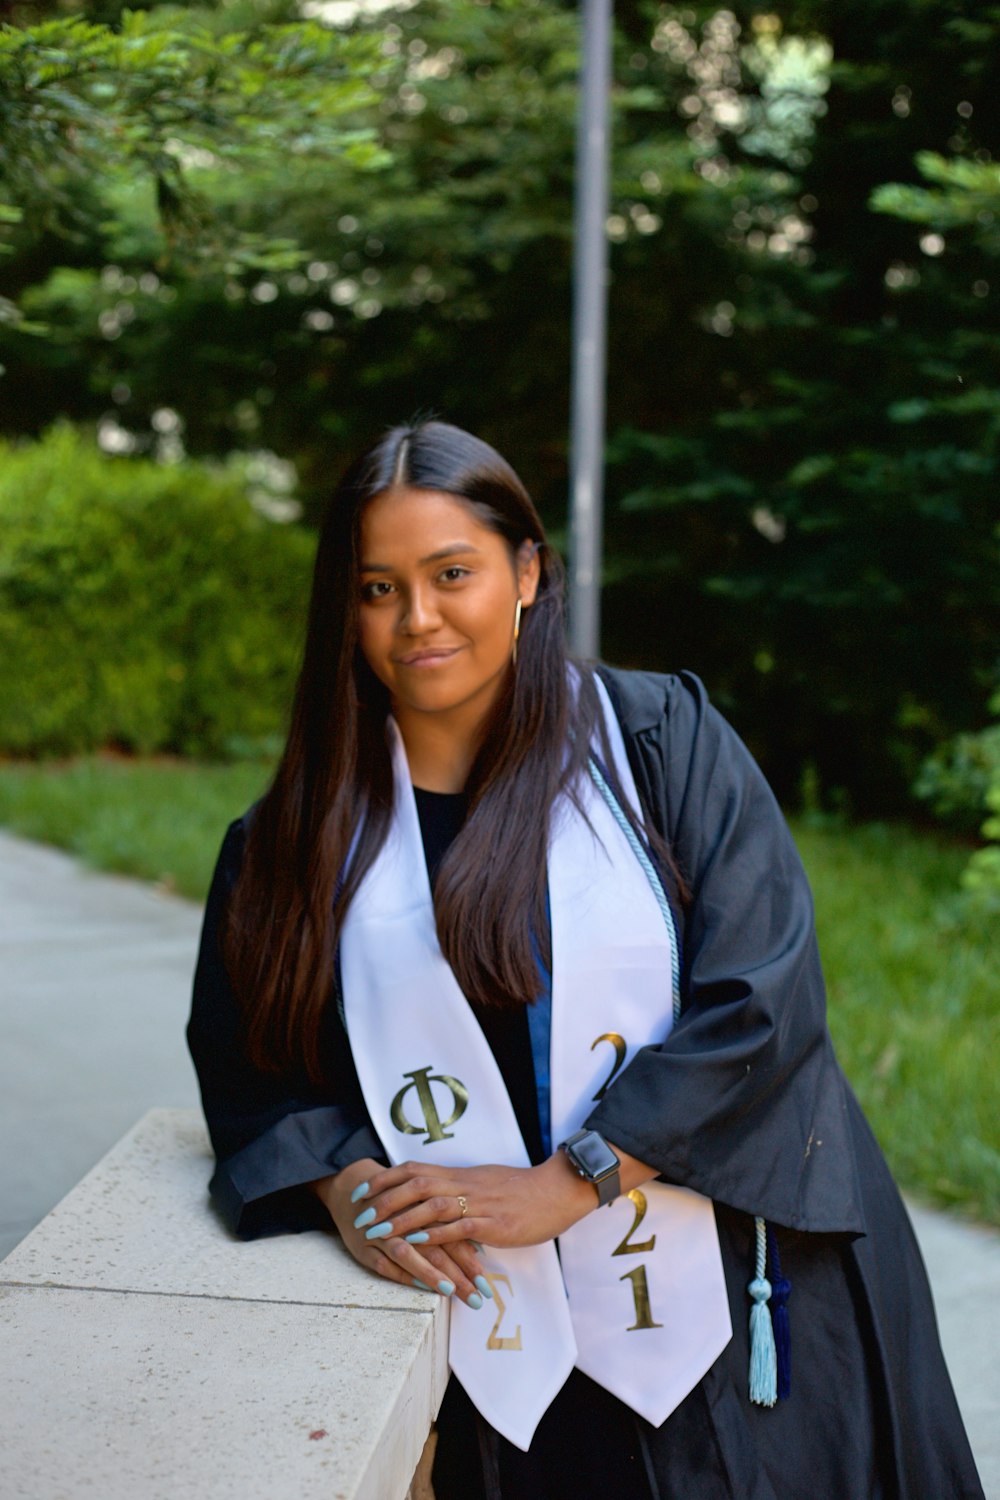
[763, 1356]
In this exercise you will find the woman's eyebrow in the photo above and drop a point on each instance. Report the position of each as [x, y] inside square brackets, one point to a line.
[453, 549]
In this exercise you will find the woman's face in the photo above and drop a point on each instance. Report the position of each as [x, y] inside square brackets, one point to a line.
[438, 594]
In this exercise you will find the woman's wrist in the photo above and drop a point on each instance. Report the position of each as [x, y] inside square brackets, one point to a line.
[585, 1196]
[574, 1193]
[329, 1189]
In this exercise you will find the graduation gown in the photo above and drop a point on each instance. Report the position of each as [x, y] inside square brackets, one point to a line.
[744, 1102]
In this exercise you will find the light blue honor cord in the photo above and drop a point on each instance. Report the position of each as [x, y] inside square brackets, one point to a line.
[763, 1373]
[649, 870]
[540, 1013]
[763, 1381]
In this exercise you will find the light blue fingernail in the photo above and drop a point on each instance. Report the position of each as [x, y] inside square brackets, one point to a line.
[364, 1217]
[418, 1237]
[361, 1191]
[484, 1286]
[474, 1300]
[378, 1231]
[446, 1288]
[422, 1285]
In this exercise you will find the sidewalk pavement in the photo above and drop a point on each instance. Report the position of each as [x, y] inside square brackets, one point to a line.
[95, 975]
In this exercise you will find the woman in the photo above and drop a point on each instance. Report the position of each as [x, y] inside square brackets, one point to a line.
[435, 1003]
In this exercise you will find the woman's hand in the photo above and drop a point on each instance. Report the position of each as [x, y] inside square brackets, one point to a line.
[454, 1270]
[503, 1206]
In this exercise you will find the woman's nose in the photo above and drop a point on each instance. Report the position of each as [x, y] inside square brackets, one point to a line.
[420, 613]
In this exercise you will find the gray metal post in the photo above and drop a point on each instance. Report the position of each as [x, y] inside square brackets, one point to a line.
[590, 277]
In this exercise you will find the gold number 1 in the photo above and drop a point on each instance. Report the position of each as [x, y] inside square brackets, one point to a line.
[640, 1294]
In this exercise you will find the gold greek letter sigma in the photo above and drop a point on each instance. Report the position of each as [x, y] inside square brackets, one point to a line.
[436, 1128]
[618, 1042]
[638, 1201]
[640, 1295]
[494, 1341]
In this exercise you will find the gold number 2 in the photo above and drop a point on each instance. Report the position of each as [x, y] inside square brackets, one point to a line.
[494, 1341]
[618, 1042]
[638, 1201]
[640, 1295]
[640, 1287]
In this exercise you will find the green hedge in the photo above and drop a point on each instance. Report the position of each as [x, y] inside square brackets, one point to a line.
[142, 605]
[956, 779]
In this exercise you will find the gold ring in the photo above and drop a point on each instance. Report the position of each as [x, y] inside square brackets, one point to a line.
[463, 1205]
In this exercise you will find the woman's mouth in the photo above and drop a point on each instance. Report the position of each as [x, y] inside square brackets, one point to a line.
[429, 656]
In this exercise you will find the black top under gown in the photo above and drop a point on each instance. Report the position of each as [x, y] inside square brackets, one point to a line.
[744, 1102]
[441, 816]
[583, 1420]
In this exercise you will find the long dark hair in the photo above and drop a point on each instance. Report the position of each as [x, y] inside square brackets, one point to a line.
[333, 788]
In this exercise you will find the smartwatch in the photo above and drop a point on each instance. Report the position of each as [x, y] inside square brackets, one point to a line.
[595, 1161]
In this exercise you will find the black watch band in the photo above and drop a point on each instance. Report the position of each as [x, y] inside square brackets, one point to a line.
[594, 1160]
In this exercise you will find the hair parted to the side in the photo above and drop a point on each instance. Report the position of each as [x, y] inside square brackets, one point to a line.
[334, 780]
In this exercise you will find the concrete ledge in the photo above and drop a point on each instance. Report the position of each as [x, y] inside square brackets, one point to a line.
[148, 1354]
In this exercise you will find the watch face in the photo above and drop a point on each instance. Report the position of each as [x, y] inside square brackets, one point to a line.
[595, 1156]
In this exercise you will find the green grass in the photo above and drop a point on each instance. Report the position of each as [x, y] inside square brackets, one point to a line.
[913, 979]
[162, 820]
[912, 976]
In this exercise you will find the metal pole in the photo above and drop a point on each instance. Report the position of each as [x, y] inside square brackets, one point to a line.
[590, 277]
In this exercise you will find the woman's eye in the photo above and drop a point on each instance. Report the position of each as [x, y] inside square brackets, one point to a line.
[377, 590]
[454, 574]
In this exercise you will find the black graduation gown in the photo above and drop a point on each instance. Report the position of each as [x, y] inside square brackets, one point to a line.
[744, 1102]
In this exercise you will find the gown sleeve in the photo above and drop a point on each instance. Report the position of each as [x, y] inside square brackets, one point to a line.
[744, 1101]
[271, 1133]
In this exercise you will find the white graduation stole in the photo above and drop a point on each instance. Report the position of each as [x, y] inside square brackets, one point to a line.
[639, 1302]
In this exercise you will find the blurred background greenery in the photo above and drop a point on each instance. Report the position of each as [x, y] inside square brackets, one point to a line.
[240, 238]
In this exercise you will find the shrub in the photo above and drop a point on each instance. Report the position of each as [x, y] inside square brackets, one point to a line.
[981, 877]
[982, 874]
[955, 779]
[142, 605]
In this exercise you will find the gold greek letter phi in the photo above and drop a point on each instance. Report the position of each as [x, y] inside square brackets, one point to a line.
[436, 1128]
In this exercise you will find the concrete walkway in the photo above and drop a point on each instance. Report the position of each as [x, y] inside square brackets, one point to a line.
[95, 984]
[95, 976]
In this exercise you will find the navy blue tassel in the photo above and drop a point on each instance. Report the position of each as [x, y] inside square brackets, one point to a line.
[781, 1290]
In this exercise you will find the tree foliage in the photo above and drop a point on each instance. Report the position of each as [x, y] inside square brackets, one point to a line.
[87, 108]
[826, 522]
[802, 392]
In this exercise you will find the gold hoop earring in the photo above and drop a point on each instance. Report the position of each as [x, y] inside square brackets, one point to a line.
[517, 631]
